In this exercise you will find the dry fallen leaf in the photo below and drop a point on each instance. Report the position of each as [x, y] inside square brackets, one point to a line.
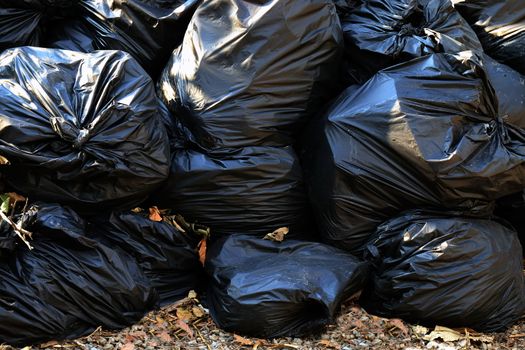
[161, 323]
[15, 197]
[184, 314]
[138, 334]
[127, 346]
[329, 344]
[49, 344]
[399, 324]
[444, 333]
[358, 324]
[192, 294]
[154, 214]
[197, 312]
[164, 336]
[202, 251]
[242, 341]
[277, 235]
[480, 337]
[184, 326]
[420, 330]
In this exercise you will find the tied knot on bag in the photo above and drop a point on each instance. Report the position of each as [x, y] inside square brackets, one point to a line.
[412, 24]
[498, 125]
[82, 138]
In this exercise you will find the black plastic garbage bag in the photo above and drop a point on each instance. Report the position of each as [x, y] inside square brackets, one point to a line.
[23, 22]
[381, 33]
[512, 209]
[500, 26]
[441, 131]
[167, 256]
[149, 30]
[248, 190]
[270, 289]
[452, 271]
[250, 73]
[80, 129]
[69, 284]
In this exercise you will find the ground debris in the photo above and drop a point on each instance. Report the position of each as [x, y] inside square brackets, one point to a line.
[354, 329]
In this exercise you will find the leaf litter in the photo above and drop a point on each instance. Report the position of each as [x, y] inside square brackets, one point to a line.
[187, 325]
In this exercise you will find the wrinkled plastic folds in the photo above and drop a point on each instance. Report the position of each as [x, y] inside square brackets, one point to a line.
[441, 131]
[269, 289]
[167, 256]
[248, 190]
[500, 26]
[435, 269]
[381, 33]
[80, 129]
[69, 284]
[149, 30]
[251, 73]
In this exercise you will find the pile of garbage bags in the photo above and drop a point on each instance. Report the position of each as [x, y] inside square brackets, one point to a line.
[317, 148]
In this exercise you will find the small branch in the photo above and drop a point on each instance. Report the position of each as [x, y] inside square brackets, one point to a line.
[202, 338]
[18, 230]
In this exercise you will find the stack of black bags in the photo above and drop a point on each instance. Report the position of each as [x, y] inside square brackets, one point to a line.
[387, 137]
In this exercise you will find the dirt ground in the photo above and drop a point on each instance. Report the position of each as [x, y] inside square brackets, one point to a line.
[187, 325]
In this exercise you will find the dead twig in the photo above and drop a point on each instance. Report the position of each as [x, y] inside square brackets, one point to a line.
[18, 230]
[202, 338]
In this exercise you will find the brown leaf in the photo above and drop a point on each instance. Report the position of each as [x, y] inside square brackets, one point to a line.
[202, 251]
[138, 334]
[48, 344]
[329, 344]
[127, 346]
[277, 235]
[15, 197]
[129, 338]
[154, 214]
[242, 341]
[165, 337]
[184, 314]
[161, 323]
[197, 312]
[184, 326]
[397, 323]
[358, 324]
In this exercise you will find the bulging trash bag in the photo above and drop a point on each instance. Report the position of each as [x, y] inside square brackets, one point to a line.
[80, 129]
[381, 33]
[252, 190]
[435, 269]
[500, 26]
[439, 131]
[512, 209]
[269, 289]
[250, 73]
[23, 22]
[149, 30]
[68, 284]
[167, 256]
